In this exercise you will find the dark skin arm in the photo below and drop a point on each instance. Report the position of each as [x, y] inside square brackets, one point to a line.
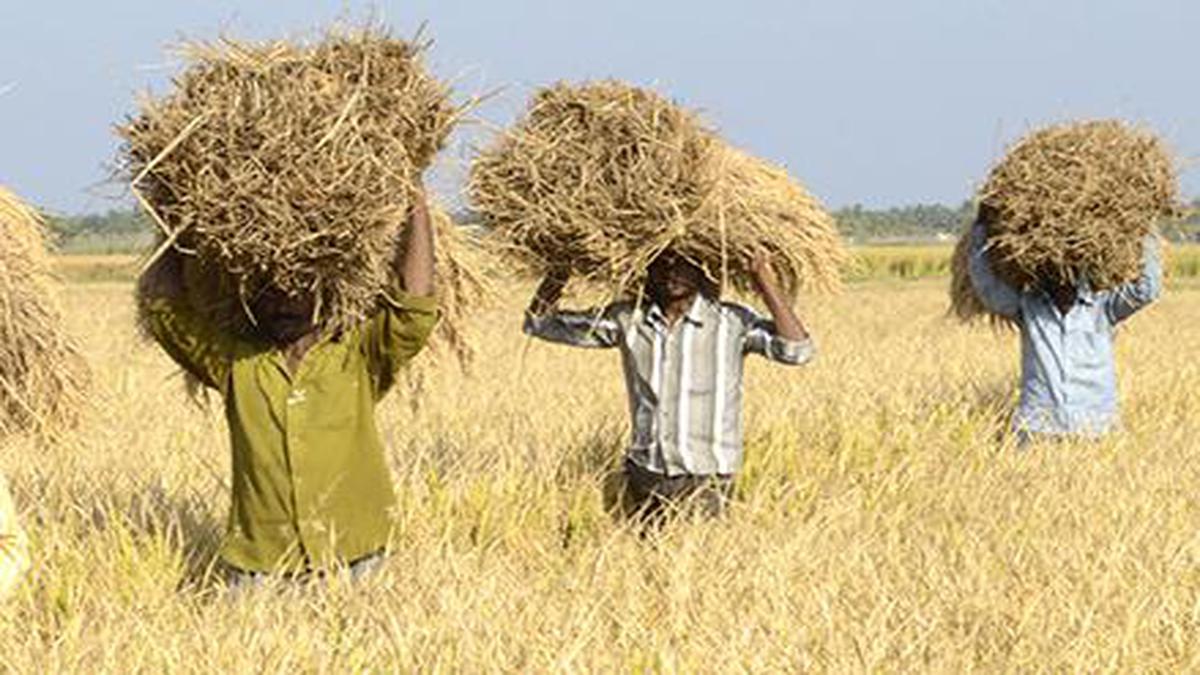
[787, 323]
[164, 278]
[414, 264]
[548, 293]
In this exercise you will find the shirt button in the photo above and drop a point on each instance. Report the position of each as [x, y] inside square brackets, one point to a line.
[296, 397]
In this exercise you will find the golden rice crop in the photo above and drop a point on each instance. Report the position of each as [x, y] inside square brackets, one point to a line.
[879, 524]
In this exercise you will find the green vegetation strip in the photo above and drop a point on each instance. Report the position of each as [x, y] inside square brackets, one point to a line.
[870, 263]
[923, 262]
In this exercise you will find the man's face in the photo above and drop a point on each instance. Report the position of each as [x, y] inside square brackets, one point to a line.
[1055, 279]
[673, 278]
[282, 318]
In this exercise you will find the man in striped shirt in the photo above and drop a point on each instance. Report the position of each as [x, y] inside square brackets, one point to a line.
[682, 351]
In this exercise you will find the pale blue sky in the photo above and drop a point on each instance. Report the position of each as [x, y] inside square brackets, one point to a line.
[874, 101]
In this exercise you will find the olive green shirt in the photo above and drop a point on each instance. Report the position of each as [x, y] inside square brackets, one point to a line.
[310, 484]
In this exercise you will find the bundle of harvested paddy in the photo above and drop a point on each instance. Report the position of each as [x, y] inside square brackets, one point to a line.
[759, 208]
[462, 280]
[1072, 202]
[463, 285]
[43, 376]
[600, 178]
[290, 166]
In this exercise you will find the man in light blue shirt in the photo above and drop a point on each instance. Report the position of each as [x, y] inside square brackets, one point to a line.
[1068, 373]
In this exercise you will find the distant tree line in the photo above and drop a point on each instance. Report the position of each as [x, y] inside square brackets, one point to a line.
[113, 222]
[938, 221]
[922, 221]
[123, 230]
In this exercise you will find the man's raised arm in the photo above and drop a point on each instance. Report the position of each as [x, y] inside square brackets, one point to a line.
[992, 291]
[784, 339]
[415, 265]
[597, 329]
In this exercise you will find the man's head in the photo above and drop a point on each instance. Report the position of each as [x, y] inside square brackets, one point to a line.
[283, 318]
[1061, 285]
[674, 278]
[987, 214]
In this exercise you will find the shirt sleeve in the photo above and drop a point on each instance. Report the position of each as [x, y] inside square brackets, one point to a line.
[760, 336]
[396, 334]
[1124, 301]
[199, 348]
[594, 329]
[995, 294]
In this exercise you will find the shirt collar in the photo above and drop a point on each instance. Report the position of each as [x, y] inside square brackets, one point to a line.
[695, 314]
[1084, 292]
[1084, 295]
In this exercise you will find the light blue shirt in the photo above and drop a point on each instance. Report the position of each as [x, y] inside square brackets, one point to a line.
[1068, 373]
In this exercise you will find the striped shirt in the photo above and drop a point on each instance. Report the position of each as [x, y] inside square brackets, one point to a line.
[684, 381]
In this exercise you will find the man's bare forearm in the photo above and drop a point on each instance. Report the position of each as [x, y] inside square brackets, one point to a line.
[787, 323]
[416, 264]
[164, 278]
[548, 293]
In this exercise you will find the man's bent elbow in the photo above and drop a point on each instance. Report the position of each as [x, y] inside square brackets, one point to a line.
[1154, 288]
[1145, 291]
[794, 353]
[532, 325]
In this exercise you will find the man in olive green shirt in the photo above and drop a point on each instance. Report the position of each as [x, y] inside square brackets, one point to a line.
[310, 483]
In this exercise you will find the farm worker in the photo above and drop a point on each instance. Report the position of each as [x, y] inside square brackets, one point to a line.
[14, 553]
[1068, 373]
[682, 350]
[310, 483]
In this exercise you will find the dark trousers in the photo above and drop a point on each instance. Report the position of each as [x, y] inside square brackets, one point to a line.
[651, 497]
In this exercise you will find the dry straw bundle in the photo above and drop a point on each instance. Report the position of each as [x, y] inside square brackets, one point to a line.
[600, 178]
[291, 166]
[758, 207]
[462, 280]
[1071, 202]
[463, 285]
[43, 376]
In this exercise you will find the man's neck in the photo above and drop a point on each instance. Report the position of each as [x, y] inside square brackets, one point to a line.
[1064, 297]
[676, 308]
[296, 350]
